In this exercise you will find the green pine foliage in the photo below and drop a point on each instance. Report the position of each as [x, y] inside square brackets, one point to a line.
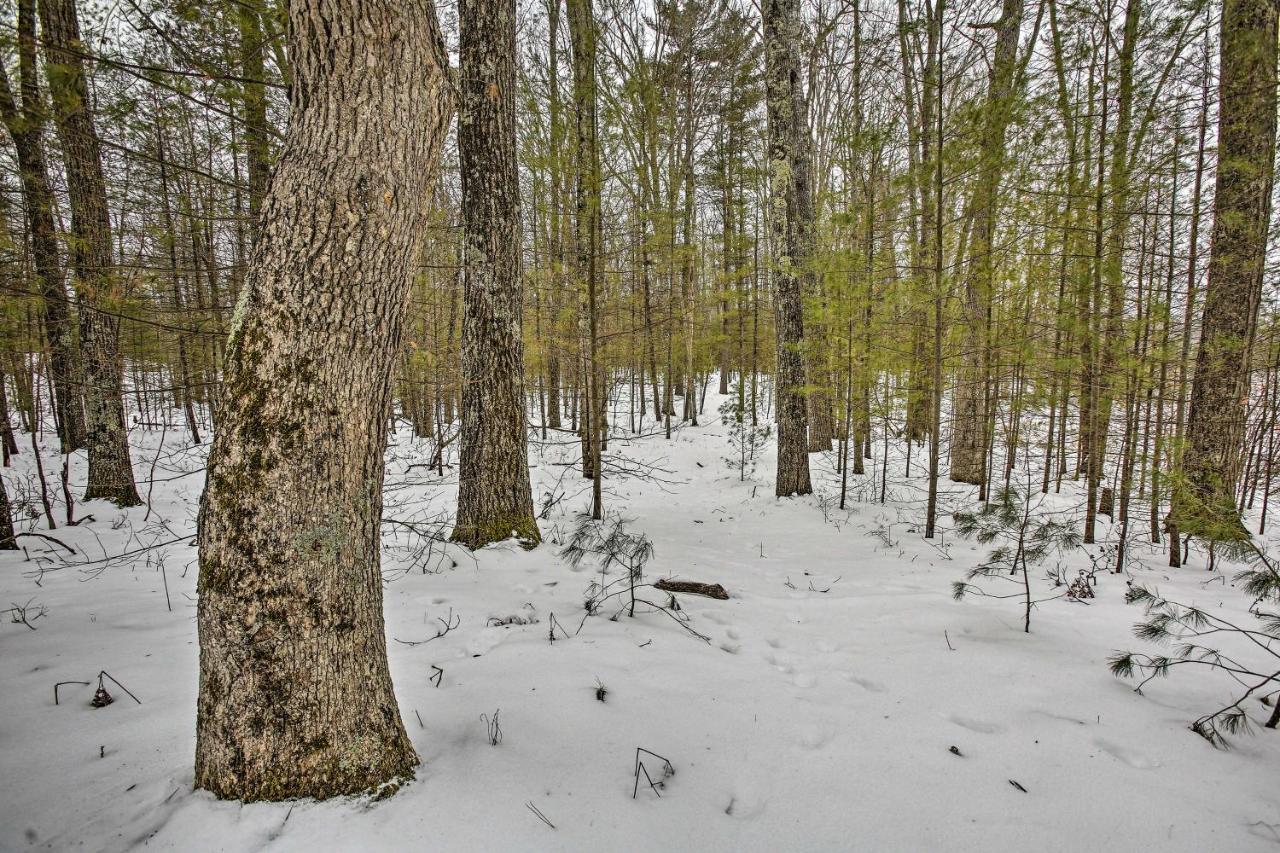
[1195, 637]
[747, 439]
[1023, 536]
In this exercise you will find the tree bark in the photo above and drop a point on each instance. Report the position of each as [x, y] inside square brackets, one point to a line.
[99, 287]
[8, 542]
[24, 119]
[494, 500]
[790, 224]
[1204, 500]
[582, 34]
[295, 694]
[254, 97]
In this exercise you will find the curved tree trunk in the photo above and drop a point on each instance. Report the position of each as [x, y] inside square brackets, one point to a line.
[100, 289]
[494, 501]
[1205, 503]
[295, 694]
[790, 223]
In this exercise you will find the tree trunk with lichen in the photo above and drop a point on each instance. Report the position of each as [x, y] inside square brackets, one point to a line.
[97, 283]
[1204, 495]
[494, 499]
[295, 694]
[790, 223]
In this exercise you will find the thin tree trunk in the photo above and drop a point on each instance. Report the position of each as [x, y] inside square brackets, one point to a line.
[582, 33]
[789, 205]
[254, 95]
[494, 499]
[99, 286]
[969, 439]
[556, 216]
[8, 542]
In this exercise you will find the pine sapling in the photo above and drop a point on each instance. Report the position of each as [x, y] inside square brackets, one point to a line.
[1024, 538]
[747, 438]
[612, 546]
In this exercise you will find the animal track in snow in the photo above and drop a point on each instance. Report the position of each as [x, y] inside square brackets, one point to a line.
[980, 726]
[1127, 756]
[487, 640]
[779, 663]
[865, 683]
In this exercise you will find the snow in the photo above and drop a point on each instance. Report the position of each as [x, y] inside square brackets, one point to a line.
[821, 714]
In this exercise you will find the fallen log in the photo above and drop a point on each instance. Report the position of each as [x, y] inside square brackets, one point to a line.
[710, 590]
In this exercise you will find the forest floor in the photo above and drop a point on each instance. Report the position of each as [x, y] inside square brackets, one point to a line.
[826, 711]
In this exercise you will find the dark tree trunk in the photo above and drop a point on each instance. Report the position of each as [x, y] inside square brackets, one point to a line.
[494, 501]
[8, 542]
[24, 120]
[1204, 503]
[295, 694]
[99, 287]
[254, 95]
[790, 223]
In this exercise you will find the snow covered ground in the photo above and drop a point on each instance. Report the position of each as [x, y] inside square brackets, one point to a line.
[820, 716]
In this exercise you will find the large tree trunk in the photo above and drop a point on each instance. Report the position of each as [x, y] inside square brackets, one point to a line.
[25, 123]
[790, 223]
[97, 283]
[494, 501]
[1204, 503]
[295, 694]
